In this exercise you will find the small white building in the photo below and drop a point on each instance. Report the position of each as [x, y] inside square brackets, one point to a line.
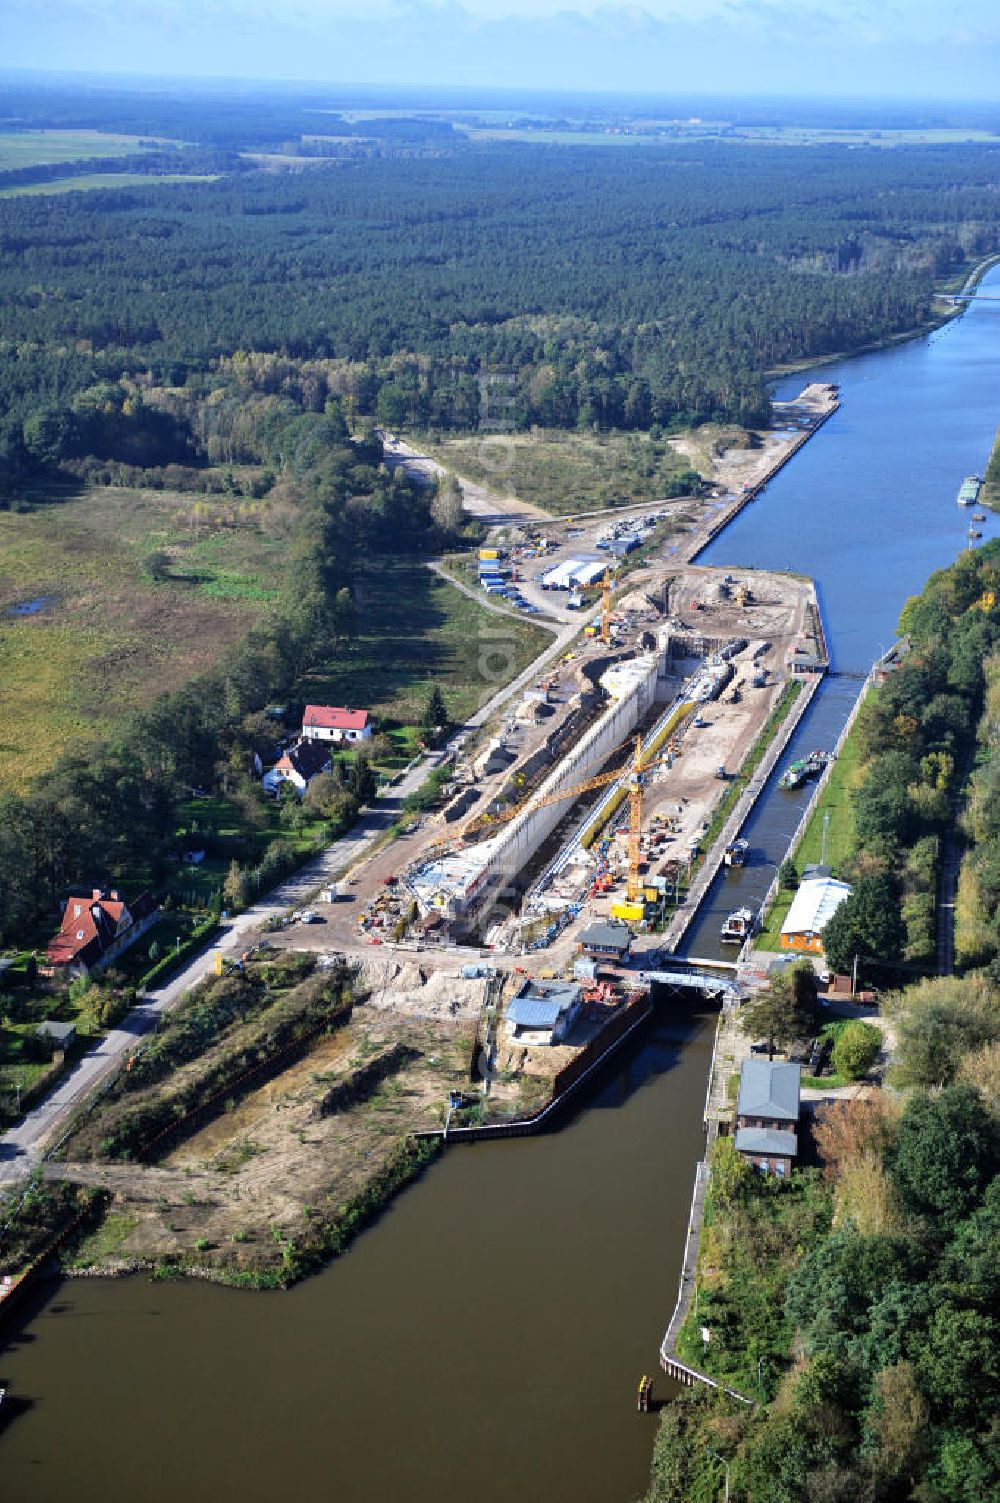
[543, 1012]
[813, 906]
[335, 723]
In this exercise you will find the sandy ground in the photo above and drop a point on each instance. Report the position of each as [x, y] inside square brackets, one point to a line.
[225, 1195]
[733, 466]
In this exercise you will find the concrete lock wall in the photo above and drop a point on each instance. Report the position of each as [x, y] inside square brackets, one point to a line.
[518, 843]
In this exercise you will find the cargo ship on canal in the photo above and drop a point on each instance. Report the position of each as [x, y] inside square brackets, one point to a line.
[968, 491]
[802, 769]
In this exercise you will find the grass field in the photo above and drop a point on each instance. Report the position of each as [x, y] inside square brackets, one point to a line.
[415, 630]
[91, 180]
[835, 801]
[42, 148]
[104, 640]
[566, 472]
[99, 639]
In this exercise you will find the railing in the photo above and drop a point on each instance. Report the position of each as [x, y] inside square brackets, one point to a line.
[682, 1372]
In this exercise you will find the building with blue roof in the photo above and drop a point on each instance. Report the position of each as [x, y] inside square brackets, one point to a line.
[767, 1114]
[543, 1012]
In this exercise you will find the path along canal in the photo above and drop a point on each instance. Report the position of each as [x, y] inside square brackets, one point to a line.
[486, 1336]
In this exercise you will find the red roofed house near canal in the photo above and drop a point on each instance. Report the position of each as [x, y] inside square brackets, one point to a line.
[96, 929]
[335, 723]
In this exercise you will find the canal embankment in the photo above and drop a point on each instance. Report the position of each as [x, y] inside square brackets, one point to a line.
[819, 788]
[677, 928]
[823, 402]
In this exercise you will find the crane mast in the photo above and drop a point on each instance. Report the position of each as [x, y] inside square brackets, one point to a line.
[635, 822]
[606, 608]
[637, 768]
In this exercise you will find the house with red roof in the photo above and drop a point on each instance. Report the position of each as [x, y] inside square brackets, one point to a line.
[97, 928]
[335, 723]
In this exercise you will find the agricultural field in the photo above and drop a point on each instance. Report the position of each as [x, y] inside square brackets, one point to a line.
[671, 132]
[43, 148]
[85, 637]
[566, 472]
[91, 180]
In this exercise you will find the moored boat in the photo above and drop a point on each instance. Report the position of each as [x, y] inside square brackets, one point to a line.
[802, 769]
[737, 927]
[736, 853]
[794, 775]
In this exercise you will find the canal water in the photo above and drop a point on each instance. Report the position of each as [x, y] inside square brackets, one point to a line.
[486, 1336]
[868, 509]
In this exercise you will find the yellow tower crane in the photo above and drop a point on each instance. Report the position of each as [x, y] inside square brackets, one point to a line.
[637, 768]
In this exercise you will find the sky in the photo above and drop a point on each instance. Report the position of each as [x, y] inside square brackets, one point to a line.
[926, 49]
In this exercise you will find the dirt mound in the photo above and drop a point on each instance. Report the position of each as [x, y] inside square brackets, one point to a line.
[405, 986]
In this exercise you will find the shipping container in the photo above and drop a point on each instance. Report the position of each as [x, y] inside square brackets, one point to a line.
[632, 913]
[489, 553]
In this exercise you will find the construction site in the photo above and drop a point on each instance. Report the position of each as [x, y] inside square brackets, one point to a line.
[592, 797]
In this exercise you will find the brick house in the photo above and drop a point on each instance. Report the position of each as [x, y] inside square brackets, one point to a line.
[335, 723]
[767, 1114]
[97, 928]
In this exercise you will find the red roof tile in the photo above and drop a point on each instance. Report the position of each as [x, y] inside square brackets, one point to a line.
[334, 718]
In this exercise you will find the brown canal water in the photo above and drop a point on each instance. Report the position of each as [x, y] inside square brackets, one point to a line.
[486, 1336]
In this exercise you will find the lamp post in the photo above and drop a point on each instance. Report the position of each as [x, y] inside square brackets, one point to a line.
[725, 1463]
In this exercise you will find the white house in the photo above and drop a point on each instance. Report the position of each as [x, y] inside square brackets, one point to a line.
[298, 766]
[335, 723]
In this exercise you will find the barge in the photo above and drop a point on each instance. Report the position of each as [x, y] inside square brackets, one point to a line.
[801, 770]
[968, 491]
